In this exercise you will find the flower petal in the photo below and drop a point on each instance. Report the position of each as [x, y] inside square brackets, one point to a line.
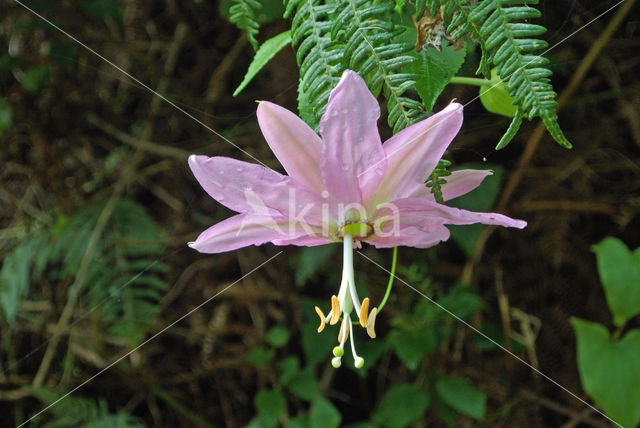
[304, 241]
[416, 212]
[247, 187]
[413, 153]
[243, 230]
[412, 237]
[458, 183]
[293, 142]
[352, 151]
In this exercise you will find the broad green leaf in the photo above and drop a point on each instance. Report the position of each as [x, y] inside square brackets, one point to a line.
[311, 260]
[265, 52]
[480, 199]
[619, 271]
[610, 370]
[288, 368]
[304, 385]
[278, 336]
[270, 405]
[462, 396]
[34, 78]
[5, 115]
[260, 356]
[436, 68]
[412, 344]
[463, 301]
[401, 406]
[495, 98]
[323, 414]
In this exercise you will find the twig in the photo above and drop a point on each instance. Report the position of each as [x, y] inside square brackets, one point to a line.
[558, 408]
[138, 143]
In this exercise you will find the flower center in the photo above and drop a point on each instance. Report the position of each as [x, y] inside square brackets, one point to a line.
[357, 229]
[344, 303]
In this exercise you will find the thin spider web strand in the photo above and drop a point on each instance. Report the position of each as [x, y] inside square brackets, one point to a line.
[150, 339]
[568, 391]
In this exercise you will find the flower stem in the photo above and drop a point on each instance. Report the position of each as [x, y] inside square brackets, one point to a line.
[470, 81]
[394, 261]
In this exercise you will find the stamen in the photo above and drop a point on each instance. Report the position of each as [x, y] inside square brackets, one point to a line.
[364, 312]
[372, 323]
[357, 360]
[343, 333]
[335, 310]
[322, 321]
[336, 362]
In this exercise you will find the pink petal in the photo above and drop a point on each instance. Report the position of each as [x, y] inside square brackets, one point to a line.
[352, 150]
[246, 187]
[458, 183]
[412, 237]
[304, 241]
[243, 230]
[413, 153]
[293, 142]
[415, 212]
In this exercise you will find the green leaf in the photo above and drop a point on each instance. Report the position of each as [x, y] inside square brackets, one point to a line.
[402, 406]
[436, 68]
[462, 396]
[5, 115]
[462, 301]
[610, 370]
[264, 54]
[304, 385]
[311, 260]
[288, 367]
[15, 276]
[278, 336]
[411, 344]
[260, 356]
[323, 414]
[102, 9]
[270, 405]
[619, 271]
[8, 62]
[34, 78]
[480, 199]
[496, 98]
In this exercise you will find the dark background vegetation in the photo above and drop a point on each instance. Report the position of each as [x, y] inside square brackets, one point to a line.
[87, 132]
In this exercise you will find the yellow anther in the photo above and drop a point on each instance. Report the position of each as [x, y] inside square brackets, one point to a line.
[343, 329]
[335, 310]
[322, 321]
[372, 323]
[364, 312]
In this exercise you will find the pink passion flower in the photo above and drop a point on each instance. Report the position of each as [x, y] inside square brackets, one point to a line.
[342, 186]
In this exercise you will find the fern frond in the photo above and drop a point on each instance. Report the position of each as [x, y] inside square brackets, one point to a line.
[358, 35]
[366, 33]
[243, 14]
[125, 281]
[75, 411]
[512, 47]
[319, 64]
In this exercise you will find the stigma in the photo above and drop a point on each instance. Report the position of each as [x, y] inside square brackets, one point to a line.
[341, 307]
